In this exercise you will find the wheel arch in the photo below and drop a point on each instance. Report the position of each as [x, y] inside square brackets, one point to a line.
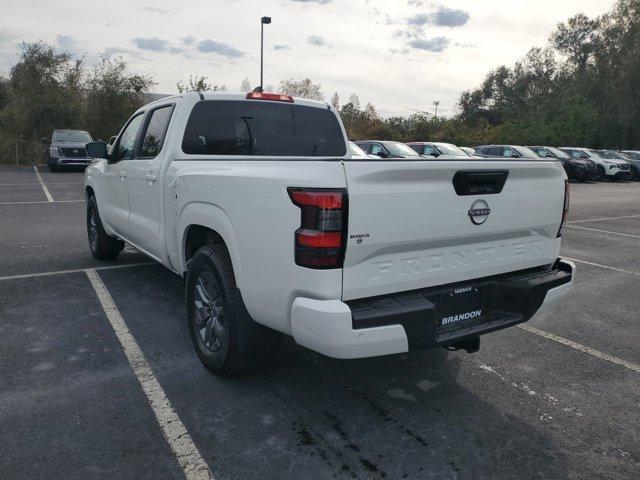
[203, 224]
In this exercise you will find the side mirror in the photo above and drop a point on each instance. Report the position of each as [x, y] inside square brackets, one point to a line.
[382, 154]
[97, 150]
[44, 141]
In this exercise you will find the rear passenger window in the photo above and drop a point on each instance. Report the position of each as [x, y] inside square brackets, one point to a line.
[259, 128]
[156, 130]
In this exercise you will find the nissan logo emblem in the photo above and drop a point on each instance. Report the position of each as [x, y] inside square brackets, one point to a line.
[479, 212]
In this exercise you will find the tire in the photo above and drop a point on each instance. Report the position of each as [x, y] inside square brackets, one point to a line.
[635, 174]
[102, 246]
[600, 174]
[53, 167]
[216, 314]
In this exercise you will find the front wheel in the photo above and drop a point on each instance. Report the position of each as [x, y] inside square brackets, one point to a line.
[215, 312]
[102, 245]
[600, 174]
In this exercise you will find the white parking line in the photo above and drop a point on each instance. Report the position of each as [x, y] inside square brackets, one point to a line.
[44, 187]
[74, 270]
[582, 348]
[604, 231]
[34, 183]
[603, 219]
[615, 269]
[32, 203]
[174, 431]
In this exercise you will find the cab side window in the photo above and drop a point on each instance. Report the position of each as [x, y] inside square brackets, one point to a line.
[127, 141]
[155, 132]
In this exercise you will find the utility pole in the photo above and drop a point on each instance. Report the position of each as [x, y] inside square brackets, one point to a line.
[436, 103]
[263, 21]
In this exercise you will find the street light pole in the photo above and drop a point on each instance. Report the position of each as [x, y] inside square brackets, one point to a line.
[436, 103]
[263, 21]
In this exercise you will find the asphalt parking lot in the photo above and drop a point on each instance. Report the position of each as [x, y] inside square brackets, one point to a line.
[83, 396]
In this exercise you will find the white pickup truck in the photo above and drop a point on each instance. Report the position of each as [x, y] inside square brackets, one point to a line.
[256, 200]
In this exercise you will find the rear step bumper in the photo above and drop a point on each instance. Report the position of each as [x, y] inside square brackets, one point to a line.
[395, 323]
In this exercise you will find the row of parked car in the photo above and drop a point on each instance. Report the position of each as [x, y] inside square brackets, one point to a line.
[579, 163]
[67, 148]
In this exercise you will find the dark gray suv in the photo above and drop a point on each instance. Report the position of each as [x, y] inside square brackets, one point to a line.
[67, 149]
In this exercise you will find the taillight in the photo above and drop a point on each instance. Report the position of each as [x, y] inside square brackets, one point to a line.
[321, 239]
[565, 208]
[275, 97]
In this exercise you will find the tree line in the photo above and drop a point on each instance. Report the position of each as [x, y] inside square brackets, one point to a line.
[582, 88]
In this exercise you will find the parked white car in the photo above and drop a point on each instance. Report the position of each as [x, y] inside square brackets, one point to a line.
[610, 169]
[258, 203]
[469, 151]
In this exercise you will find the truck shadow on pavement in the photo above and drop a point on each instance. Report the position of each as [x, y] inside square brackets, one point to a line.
[302, 415]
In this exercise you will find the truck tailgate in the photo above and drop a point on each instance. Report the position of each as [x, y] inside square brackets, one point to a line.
[408, 227]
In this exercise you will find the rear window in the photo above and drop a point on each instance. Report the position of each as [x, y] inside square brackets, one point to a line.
[258, 128]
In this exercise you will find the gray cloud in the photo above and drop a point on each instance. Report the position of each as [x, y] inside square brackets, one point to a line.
[65, 41]
[207, 46]
[443, 17]
[317, 40]
[113, 51]
[154, 44]
[188, 40]
[449, 17]
[436, 44]
[419, 19]
[281, 47]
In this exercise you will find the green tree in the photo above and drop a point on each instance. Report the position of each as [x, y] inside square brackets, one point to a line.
[43, 92]
[112, 95]
[199, 83]
[303, 88]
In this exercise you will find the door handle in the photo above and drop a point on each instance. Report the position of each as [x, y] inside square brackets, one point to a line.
[150, 178]
[123, 174]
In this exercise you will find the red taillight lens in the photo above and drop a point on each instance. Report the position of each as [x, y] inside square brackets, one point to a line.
[565, 208]
[275, 97]
[320, 241]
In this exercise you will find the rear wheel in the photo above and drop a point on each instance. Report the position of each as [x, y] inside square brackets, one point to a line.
[215, 312]
[102, 245]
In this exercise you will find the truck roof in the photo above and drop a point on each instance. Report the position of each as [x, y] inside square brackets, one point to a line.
[238, 96]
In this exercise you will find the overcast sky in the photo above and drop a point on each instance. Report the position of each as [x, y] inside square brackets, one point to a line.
[399, 54]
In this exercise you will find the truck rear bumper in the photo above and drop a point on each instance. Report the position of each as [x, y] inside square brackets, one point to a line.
[395, 323]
